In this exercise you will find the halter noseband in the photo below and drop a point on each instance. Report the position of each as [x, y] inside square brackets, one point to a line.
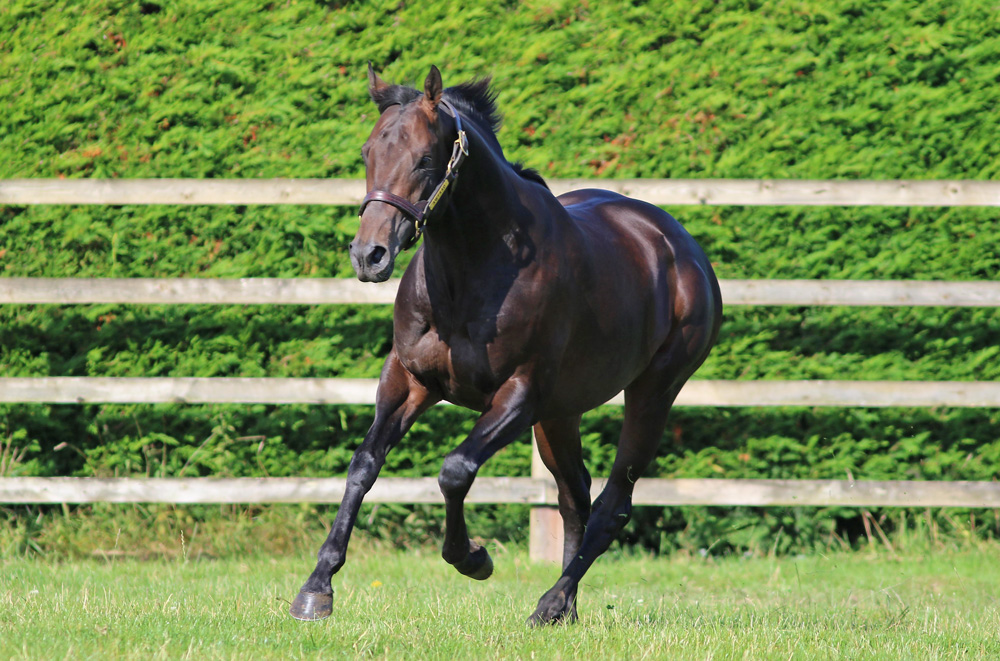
[422, 209]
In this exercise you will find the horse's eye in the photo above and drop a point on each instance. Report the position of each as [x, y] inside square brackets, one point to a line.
[425, 163]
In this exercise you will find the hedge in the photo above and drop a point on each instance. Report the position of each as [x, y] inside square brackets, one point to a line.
[104, 88]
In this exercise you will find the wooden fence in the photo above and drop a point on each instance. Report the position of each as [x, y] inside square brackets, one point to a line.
[538, 489]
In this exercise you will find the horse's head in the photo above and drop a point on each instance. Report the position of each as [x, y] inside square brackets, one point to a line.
[406, 157]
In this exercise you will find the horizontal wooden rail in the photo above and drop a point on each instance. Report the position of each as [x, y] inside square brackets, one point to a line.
[526, 490]
[186, 390]
[168, 291]
[861, 292]
[276, 390]
[799, 192]
[330, 291]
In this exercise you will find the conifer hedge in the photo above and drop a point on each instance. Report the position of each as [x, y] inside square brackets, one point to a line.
[805, 89]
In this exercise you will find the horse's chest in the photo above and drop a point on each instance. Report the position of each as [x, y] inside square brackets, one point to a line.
[464, 362]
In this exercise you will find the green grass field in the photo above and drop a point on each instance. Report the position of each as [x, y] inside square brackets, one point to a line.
[405, 605]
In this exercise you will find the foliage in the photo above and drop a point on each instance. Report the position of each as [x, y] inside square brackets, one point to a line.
[104, 88]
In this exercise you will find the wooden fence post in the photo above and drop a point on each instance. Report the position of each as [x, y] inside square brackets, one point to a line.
[545, 535]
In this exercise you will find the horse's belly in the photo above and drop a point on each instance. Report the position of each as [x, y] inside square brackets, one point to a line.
[587, 383]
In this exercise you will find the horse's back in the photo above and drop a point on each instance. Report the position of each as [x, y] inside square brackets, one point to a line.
[639, 277]
[616, 227]
[608, 215]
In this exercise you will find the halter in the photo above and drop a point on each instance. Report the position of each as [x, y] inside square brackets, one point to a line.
[422, 209]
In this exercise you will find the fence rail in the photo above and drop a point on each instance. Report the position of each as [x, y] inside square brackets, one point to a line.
[524, 490]
[278, 390]
[330, 291]
[743, 192]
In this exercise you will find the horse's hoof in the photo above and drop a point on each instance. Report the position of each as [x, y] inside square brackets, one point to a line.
[478, 565]
[554, 609]
[539, 619]
[311, 606]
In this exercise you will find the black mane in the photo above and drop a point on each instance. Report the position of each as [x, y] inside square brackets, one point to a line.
[475, 100]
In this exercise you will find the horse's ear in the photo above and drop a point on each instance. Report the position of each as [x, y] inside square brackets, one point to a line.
[375, 84]
[433, 87]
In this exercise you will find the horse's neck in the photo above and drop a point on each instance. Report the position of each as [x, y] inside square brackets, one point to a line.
[477, 237]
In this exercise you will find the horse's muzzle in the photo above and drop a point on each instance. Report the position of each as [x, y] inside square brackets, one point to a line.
[372, 262]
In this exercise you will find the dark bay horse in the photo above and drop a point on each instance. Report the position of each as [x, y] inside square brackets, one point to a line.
[525, 307]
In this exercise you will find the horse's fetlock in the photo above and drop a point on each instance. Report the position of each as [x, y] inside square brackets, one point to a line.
[452, 556]
[332, 560]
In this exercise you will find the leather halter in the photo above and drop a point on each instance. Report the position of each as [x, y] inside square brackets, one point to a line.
[422, 209]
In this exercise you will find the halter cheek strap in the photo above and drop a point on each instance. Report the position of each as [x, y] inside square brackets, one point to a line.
[420, 211]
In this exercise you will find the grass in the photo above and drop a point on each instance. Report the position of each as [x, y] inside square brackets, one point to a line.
[393, 604]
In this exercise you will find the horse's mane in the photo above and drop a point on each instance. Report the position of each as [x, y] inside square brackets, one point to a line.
[475, 100]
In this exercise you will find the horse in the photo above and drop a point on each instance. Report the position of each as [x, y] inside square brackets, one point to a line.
[527, 308]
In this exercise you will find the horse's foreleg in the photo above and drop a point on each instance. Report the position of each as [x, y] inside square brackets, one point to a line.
[400, 400]
[508, 416]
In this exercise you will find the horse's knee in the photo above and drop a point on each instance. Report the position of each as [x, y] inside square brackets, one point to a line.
[456, 477]
[609, 515]
[363, 470]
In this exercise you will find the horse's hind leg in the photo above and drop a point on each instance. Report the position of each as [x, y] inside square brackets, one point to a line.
[560, 449]
[647, 402]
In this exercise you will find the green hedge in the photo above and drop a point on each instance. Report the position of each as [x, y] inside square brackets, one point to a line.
[103, 88]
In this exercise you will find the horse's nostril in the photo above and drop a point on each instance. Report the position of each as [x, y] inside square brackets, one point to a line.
[377, 255]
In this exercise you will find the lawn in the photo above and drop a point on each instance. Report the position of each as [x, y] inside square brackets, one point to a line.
[404, 605]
